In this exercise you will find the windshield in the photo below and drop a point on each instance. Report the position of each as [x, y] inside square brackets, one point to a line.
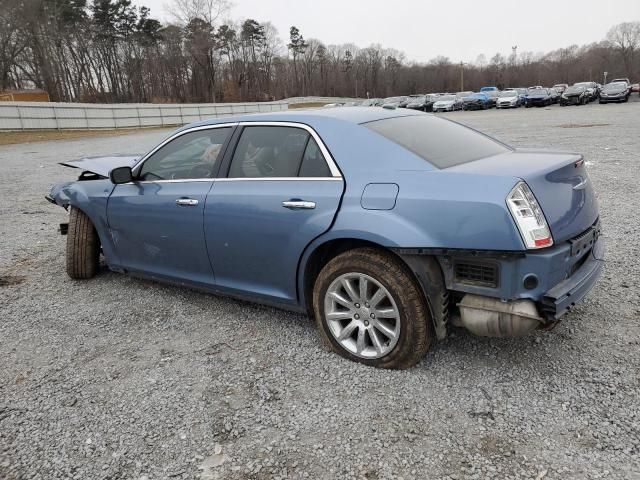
[575, 89]
[446, 98]
[538, 91]
[615, 86]
[432, 139]
[509, 93]
[582, 84]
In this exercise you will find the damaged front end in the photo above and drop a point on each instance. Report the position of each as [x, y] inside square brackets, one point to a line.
[92, 188]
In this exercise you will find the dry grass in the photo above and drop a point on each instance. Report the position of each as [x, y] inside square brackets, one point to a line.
[9, 138]
[307, 105]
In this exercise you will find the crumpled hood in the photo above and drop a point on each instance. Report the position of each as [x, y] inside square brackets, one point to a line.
[102, 165]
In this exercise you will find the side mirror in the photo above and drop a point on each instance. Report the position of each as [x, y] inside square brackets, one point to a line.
[121, 175]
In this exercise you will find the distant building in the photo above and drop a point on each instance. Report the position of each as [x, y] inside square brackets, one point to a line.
[34, 95]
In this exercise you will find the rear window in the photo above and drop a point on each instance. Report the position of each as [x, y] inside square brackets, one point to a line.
[440, 142]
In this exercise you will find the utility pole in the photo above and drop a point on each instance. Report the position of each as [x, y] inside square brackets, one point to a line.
[462, 64]
[514, 53]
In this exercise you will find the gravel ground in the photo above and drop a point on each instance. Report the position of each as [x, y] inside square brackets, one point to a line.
[122, 378]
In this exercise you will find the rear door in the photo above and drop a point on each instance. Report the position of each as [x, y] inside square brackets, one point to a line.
[156, 222]
[280, 191]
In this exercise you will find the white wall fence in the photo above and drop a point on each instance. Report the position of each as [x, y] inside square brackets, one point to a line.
[295, 100]
[39, 116]
[64, 116]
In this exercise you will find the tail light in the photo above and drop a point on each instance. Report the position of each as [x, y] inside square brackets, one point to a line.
[529, 217]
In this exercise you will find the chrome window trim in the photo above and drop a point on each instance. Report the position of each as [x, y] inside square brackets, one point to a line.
[333, 168]
[136, 168]
[279, 179]
[240, 179]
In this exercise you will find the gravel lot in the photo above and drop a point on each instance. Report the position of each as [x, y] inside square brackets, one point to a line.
[121, 378]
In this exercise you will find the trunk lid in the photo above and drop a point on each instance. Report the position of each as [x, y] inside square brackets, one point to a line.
[559, 181]
[102, 165]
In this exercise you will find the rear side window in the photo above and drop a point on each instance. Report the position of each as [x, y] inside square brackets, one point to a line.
[269, 152]
[440, 142]
[313, 162]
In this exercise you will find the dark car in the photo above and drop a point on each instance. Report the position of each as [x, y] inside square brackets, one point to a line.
[592, 90]
[615, 92]
[477, 101]
[574, 95]
[492, 95]
[539, 97]
[423, 103]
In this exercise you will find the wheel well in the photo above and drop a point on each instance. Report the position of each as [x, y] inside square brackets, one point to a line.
[323, 254]
[425, 270]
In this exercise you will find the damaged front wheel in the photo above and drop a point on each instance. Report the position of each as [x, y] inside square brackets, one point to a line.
[83, 246]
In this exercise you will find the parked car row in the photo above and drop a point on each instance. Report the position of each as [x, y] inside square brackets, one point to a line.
[580, 93]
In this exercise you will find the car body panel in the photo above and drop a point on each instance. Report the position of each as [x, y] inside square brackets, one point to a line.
[102, 165]
[254, 242]
[153, 234]
[559, 181]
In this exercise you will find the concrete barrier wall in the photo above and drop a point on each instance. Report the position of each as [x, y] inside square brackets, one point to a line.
[78, 116]
[294, 100]
[58, 116]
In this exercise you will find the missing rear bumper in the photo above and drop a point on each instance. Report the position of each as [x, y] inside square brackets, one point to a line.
[562, 297]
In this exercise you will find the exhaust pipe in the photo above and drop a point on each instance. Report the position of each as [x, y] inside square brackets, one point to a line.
[490, 317]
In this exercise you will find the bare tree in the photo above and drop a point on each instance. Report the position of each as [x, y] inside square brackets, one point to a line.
[625, 38]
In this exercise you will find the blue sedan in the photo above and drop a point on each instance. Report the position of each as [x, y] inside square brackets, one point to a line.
[387, 226]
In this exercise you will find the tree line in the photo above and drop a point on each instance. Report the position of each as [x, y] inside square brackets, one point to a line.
[113, 51]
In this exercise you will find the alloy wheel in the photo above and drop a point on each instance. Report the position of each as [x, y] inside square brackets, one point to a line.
[362, 315]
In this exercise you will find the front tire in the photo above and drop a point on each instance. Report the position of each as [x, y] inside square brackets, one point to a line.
[370, 309]
[83, 246]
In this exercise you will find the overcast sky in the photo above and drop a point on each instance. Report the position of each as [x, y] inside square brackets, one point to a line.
[423, 29]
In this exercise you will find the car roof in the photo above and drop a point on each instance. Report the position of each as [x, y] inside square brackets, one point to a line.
[353, 115]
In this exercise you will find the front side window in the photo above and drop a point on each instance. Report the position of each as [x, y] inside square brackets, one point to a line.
[273, 151]
[193, 155]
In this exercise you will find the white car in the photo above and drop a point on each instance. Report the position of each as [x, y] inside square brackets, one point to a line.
[508, 99]
[447, 103]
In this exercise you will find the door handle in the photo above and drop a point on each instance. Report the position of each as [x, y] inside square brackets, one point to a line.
[187, 202]
[299, 204]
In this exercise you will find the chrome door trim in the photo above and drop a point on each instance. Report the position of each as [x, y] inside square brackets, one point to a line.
[187, 202]
[333, 168]
[299, 204]
[278, 179]
[138, 165]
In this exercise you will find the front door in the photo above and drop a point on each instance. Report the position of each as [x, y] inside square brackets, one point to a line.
[156, 222]
[279, 194]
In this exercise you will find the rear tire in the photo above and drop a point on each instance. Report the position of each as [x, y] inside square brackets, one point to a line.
[410, 330]
[83, 246]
